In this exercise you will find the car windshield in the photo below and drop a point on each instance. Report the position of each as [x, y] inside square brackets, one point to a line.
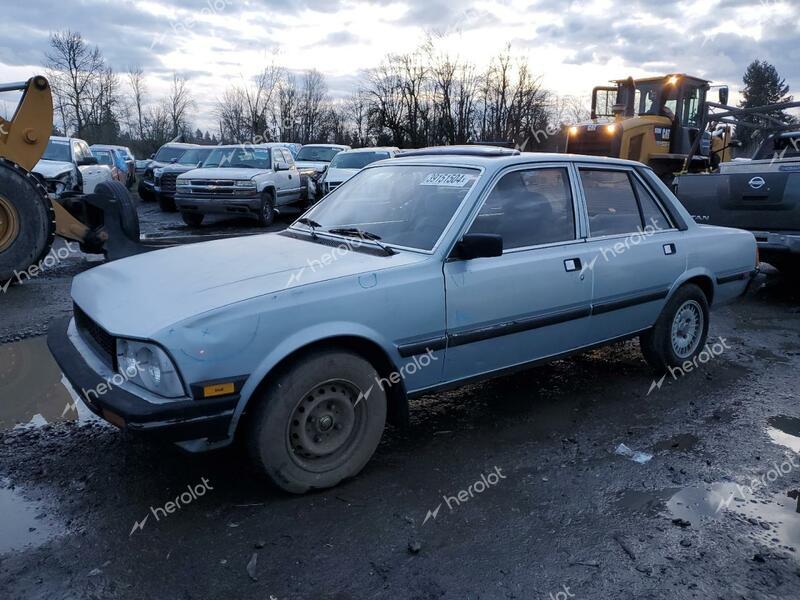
[167, 153]
[195, 156]
[780, 147]
[57, 150]
[103, 157]
[356, 160]
[238, 158]
[317, 153]
[405, 205]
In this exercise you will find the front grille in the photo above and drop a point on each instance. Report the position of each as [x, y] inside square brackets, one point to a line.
[99, 338]
[168, 182]
[213, 182]
[595, 143]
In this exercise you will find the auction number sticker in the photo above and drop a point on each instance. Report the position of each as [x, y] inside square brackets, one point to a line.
[446, 179]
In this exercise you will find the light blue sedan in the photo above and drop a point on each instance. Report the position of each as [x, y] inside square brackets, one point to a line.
[444, 266]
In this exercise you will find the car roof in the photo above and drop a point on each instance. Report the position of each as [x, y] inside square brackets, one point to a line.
[497, 160]
[375, 149]
[342, 146]
[265, 145]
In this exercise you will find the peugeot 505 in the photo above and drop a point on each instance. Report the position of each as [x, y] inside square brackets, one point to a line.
[424, 272]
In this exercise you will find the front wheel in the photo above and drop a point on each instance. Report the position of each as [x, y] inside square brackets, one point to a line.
[680, 332]
[318, 422]
[266, 213]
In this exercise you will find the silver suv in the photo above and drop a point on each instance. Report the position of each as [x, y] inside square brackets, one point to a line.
[245, 179]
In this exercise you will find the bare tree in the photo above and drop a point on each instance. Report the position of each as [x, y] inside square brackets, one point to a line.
[311, 108]
[258, 100]
[73, 68]
[138, 93]
[356, 115]
[179, 103]
[284, 112]
[232, 114]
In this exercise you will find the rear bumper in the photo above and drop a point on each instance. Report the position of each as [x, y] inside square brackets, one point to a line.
[181, 420]
[227, 205]
[777, 242]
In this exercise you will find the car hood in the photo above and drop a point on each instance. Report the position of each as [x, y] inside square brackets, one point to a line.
[52, 168]
[317, 165]
[221, 174]
[141, 295]
[340, 175]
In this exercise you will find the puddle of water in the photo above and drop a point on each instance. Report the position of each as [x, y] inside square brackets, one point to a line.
[785, 431]
[774, 522]
[24, 523]
[31, 387]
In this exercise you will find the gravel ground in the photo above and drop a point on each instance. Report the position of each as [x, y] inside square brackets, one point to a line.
[551, 510]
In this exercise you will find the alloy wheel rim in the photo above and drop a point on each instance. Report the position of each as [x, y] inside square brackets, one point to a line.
[326, 424]
[9, 223]
[687, 328]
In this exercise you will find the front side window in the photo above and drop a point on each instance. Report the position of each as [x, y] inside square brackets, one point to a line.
[529, 208]
[610, 202]
[317, 153]
[652, 214]
[406, 206]
[168, 153]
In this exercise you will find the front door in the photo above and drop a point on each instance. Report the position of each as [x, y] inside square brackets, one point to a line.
[533, 301]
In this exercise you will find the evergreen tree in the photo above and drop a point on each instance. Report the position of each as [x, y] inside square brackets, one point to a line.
[762, 85]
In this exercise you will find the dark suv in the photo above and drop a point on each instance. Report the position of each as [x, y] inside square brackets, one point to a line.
[168, 154]
[165, 177]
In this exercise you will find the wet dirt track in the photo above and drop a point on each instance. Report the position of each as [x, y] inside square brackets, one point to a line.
[547, 508]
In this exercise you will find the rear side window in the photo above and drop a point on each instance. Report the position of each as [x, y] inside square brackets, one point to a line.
[610, 202]
[653, 216]
[529, 208]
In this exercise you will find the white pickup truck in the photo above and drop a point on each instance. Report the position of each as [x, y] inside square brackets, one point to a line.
[69, 166]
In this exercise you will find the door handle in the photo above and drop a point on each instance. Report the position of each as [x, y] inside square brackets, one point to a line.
[572, 264]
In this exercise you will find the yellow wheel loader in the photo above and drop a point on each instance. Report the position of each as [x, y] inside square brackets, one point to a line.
[665, 122]
[29, 217]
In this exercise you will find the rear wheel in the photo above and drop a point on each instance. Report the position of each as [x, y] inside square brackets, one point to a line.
[680, 332]
[27, 221]
[128, 217]
[318, 422]
[192, 219]
[144, 192]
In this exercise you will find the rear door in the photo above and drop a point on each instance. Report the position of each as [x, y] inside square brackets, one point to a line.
[534, 300]
[637, 253]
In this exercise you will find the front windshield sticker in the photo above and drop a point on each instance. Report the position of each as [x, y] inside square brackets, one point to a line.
[446, 179]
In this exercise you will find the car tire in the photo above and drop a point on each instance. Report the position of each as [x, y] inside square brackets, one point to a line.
[266, 212]
[128, 216]
[192, 219]
[680, 332]
[144, 194]
[317, 422]
[167, 204]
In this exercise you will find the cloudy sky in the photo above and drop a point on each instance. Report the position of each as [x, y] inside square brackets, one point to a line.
[573, 45]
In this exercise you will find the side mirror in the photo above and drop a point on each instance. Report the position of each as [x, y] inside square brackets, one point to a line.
[86, 161]
[152, 156]
[281, 166]
[173, 160]
[479, 245]
[723, 94]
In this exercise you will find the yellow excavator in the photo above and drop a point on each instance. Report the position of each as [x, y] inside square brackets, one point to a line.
[103, 222]
[665, 122]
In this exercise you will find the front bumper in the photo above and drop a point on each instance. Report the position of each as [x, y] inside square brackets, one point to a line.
[220, 205]
[176, 421]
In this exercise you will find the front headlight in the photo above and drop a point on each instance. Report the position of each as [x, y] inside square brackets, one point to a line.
[149, 367]
[244, 183]
[63, 183]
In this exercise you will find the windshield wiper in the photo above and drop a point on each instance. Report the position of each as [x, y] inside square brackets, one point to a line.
[366, 235]
[311, 224]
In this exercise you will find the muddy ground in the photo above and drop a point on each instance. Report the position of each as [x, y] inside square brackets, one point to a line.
[552, 511]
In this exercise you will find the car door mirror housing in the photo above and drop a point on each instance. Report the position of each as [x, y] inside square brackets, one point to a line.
[281, 166]
[479, 245]
[87, 161]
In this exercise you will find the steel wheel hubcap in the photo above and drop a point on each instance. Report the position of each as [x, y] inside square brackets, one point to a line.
[687, 328]
[324, 425]
[9, 223]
